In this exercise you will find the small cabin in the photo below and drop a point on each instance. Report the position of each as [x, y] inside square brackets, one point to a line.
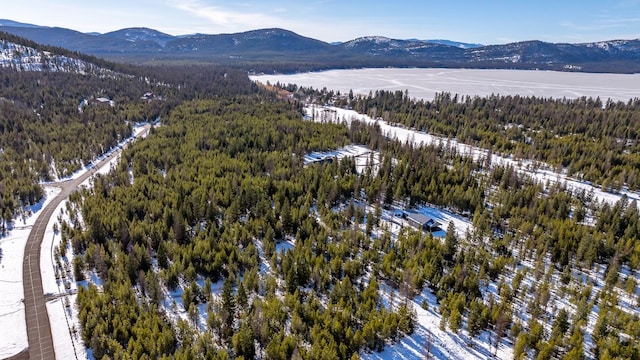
[423, 222]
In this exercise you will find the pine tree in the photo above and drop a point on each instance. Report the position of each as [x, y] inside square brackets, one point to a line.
[561, 324]
[243, 342]
[450, 243]
[227, 312]
[475, 321]
[520, 346]
[455, 320]
[241, 296]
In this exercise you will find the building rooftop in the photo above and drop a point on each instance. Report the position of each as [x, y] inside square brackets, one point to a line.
[423, 219]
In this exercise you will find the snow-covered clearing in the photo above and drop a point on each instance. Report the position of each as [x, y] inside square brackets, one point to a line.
[429, 339]
[538, 171]
[394, 223]
[444, 217]
[362, 156]
[425, 83]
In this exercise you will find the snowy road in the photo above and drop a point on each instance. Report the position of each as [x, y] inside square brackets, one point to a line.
[38, 329]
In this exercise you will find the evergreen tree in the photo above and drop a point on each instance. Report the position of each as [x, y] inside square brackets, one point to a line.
[227, 311]
[450, 243]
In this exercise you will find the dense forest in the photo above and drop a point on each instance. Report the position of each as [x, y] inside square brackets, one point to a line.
[272, 257]
[213, 194]
[215, 208]
[53, 123]
[590, 139]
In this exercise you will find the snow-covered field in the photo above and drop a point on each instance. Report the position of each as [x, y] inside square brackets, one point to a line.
[424, 83]
[361, 154]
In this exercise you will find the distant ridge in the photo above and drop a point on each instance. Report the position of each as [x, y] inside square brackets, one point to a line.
[280, 50]
[461, 45]
[5, 22]
[140, 35]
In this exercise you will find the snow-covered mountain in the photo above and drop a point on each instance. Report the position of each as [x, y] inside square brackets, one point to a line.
[26, 58]
[458, 44]
[280, 46]
[140, 35]
[383, 47]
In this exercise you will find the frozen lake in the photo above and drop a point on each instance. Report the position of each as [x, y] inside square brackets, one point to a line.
[424, 83]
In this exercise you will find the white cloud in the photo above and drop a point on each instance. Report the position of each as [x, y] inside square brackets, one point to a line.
[620, 22]
[215, 18]
[605, 24]
[224, 18]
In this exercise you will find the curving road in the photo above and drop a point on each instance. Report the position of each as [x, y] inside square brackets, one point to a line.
[38, 327]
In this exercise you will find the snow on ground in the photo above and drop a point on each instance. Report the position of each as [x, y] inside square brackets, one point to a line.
[59, 285]
[429, 339]
[13, 329]
[540, 172]
[394, 223]
[425, 83]
[446, 345]
[461, 224]
[360, 153]
[63, 317]
[138, 129]
[173, 305]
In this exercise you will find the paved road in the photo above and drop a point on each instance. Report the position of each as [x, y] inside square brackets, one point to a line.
[38, 327]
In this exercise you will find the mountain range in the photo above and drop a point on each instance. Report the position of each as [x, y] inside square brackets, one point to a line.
[282, 50]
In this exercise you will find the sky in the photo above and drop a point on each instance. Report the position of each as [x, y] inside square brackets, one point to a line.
[485, 22]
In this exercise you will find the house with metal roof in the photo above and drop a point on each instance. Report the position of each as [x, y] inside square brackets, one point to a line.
[423, 222]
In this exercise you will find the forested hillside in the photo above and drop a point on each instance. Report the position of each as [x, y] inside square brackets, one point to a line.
[59, 111]
[205, 185]
[279, 50]
[52, 124]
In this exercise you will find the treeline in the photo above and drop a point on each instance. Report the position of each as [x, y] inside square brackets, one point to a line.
[592, 140]
[48, 132]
